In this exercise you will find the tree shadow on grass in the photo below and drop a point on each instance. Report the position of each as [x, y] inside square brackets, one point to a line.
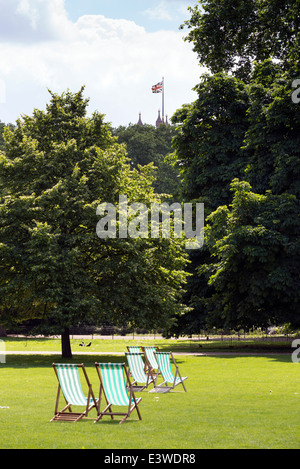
[44, 361]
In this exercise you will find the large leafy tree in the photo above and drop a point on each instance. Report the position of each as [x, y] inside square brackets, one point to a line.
[2, 128]
[209, 139]
[208, 146]
[256, 278]
[239, 41]
[255, 269]
[229, 35]
[266, 153]
[58, 166]
[272, 139]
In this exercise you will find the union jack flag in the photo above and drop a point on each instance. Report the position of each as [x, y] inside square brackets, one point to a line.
[157, 88]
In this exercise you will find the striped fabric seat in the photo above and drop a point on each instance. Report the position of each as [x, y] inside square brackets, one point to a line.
[150, 355]
[165, 367]
[137, 370]
[69, 380]
[114, 383]
[133, 349]
[70, 384]
[164, 363]
[113, 377]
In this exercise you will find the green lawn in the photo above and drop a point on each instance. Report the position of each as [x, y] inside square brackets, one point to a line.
[231, 402]
[97, 345]
[119, 345]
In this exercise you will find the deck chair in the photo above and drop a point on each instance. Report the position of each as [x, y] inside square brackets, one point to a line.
[164, 364]
[70, 385]
[137, 371]
[113, 388]
[133, 349]
[151, 361]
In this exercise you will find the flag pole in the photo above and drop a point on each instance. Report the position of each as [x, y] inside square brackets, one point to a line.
[163, 99]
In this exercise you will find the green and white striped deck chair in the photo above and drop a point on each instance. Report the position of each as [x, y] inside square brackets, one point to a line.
[150, 358]
[70, 385]
[134, 349]
[113, 377]
[137, 370]
[164, 364]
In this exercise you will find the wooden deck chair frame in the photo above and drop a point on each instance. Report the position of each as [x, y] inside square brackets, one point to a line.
[142, 376]
[69, 386]
[164, 364]
[150, 359]
[107, 390]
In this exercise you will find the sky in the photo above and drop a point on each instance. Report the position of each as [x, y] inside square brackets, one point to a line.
[117, 49]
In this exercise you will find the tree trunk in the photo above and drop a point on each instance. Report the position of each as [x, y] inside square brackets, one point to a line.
[66, 351]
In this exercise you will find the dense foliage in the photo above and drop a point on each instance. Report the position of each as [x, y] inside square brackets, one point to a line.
[238, 147]
[57, 166]
[229, 35]
[146, 144]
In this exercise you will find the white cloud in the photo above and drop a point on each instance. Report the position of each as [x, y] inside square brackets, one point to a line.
[29, 21]
[117, 61]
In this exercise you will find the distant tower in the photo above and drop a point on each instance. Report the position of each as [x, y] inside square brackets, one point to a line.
[158, 120]
[140, 120]
[167, 122]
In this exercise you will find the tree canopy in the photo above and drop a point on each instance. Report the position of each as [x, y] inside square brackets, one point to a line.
[255, 260]
[58, 165]
[146, 144]
[229, 35]
[209, 139]
[238, 149]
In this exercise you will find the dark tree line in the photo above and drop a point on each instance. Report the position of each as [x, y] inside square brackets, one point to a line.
[238, 148]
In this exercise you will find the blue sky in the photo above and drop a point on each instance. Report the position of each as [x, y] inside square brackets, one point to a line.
[153, 15]
[117, 49]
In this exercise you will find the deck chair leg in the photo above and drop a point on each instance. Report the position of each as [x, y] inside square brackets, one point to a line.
[138, 412]
[130, 411]
[57, 402]
[123, 419]
[108, 407]
[56, 411]
[178, 373]
[135, 405]
[182, 383]
[67, 406]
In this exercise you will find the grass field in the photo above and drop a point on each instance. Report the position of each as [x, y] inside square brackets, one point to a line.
[116, 345]
[232, 401]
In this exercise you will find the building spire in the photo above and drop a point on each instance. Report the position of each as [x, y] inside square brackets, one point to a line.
[140, 120]
[158, 120]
